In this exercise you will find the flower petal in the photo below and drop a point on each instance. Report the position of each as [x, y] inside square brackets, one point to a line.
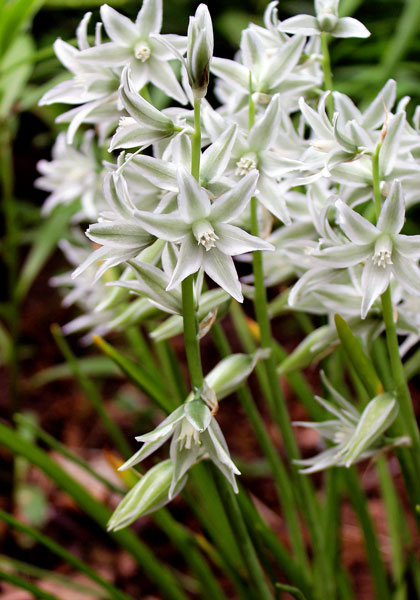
[374, 115]
[170, 228]
[375, 280]
[221, 269]
[193, 201]
[264, 132]
[358, 229]
[407, 245]
[233, 240]
[350, 27]
[232, 203]
[343, 256]
[406, 272]
[182, 459]
[271, 197]
[118, 27]
[216, 157]
[163, 77]
[149, 18]
[159, 172]
[389, 148]
[391, 219]
[189, 261]
[109, 54]
[301, 24]
[232, 72]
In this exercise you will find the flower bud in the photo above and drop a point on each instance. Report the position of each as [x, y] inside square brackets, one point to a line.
[150, 493]
[378, 415]
[232, 371]
[327, 14]
[199, 51]
[315, 344]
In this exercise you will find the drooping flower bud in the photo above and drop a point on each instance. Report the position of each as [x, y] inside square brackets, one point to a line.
[150, 493]
[200, 51]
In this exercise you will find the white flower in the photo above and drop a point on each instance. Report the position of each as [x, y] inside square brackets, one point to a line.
[93, 86]
[138, 45]
[72, 174]
[195, 434]
[353, 436]
[203, 229]
[327, 21]
[385, 251]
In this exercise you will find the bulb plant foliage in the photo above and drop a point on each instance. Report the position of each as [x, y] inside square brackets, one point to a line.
[284, 171]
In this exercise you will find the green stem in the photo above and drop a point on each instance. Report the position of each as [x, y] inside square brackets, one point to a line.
[376, 181]
[326, 68]
[68, 557]
[256, 574]
[248, 343]
[192, 347]
[304, 487]
[393, 511]
[196, 141]
[170, 364]
[377, 567]
[408, 416]
[184, 542]
[280, 475]
[251, 104]
[259, 528]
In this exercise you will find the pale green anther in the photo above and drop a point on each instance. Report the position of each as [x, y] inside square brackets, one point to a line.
[204, 234]
[188, 435]
[383, 251]
[246, 163]
[142, 51]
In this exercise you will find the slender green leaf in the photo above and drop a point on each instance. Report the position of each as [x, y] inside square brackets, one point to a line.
[44, 245]
[138, 375]
[91, 366]
[24, 584]
[151, 567]
[359, 359]
[70, 558]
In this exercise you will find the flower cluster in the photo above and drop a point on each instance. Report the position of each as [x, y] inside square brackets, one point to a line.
[331, 186]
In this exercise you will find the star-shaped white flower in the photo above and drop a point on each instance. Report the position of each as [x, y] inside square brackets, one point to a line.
[204, 231]
[385, 251]
[195, 433]
[137, 45]
[327, 21]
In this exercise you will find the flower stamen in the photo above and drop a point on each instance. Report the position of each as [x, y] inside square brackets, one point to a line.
[205, 235]
[245, 165]
[142, 51]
